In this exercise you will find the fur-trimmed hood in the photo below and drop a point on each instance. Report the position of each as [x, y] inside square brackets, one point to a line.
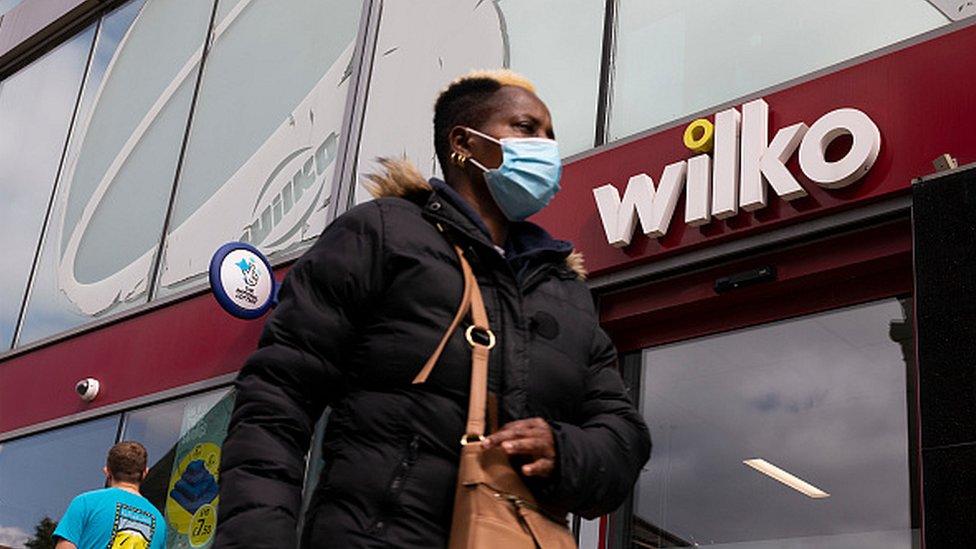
[400, 178]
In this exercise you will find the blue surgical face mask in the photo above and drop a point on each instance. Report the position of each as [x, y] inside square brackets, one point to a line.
[528, 177]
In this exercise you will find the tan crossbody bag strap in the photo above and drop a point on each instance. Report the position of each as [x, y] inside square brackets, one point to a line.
[471, 300]
[492, 507]
[461, 312]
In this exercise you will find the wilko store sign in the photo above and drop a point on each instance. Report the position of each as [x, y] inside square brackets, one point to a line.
[744, 163]
[910, 93]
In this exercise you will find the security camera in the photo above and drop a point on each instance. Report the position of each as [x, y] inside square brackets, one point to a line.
[87, 389]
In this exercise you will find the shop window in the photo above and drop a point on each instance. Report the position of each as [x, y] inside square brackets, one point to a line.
[40, 474]
[410, 67]
[36, 105]
[677, 57]
[183, 439]
[789, 434]
[114, 190]
[266, 127]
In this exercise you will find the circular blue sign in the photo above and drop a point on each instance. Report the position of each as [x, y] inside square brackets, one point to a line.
[242, 280]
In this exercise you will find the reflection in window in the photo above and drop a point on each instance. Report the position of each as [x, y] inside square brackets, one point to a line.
[314, 466]
[822, 398]
[183, 439]
[7, 5]
[410, 68]
[36, 105]
[40, 474]
[562, 60]
[265, 133]
[115, 187]
[677, 57]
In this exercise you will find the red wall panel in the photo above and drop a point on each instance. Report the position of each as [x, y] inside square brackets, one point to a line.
[850, 268]
[921, 98]
[189, 341]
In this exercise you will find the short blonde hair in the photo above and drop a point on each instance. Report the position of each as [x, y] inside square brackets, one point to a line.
[466, 102]
[504, 77]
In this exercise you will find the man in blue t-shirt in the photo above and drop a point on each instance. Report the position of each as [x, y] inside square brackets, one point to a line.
[117, 517]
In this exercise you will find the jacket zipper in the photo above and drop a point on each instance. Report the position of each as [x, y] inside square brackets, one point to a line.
[409, 457]
[395, 486]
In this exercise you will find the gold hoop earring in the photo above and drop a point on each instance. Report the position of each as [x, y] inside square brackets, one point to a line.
[458, 159]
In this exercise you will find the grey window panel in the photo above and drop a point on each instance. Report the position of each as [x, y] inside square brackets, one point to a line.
[677, 57]
[36, 106]
[264, 138]
[115, 189]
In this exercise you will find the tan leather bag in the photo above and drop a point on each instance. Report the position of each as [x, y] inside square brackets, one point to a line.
[492, 506]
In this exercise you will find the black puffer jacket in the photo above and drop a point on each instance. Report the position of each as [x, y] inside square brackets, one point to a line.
[359, 314]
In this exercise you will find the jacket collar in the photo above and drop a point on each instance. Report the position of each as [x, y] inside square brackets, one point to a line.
[527, 244]
[468, 219]
[526, 240]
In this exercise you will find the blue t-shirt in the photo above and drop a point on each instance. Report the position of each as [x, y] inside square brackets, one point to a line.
[112, 518]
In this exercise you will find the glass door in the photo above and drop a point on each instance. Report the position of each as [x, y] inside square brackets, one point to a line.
[793, 433]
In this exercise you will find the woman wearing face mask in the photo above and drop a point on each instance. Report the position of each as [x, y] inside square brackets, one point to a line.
[364, 310]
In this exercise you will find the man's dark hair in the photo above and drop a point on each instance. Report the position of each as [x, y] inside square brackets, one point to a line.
[467, 102]
[127, 461]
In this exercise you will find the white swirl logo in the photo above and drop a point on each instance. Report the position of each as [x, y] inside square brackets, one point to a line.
[293, 167]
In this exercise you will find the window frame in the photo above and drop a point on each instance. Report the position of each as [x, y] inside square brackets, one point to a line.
[877, 247]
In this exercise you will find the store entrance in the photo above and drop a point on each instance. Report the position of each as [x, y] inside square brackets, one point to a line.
[783, 415]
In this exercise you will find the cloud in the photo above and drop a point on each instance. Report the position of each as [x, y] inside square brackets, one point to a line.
[13, 536]
[772, 402]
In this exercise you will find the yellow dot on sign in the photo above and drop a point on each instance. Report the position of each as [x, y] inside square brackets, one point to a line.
[699, 136]
[202, 526]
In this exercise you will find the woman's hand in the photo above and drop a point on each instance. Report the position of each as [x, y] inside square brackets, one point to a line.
[529, 439]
